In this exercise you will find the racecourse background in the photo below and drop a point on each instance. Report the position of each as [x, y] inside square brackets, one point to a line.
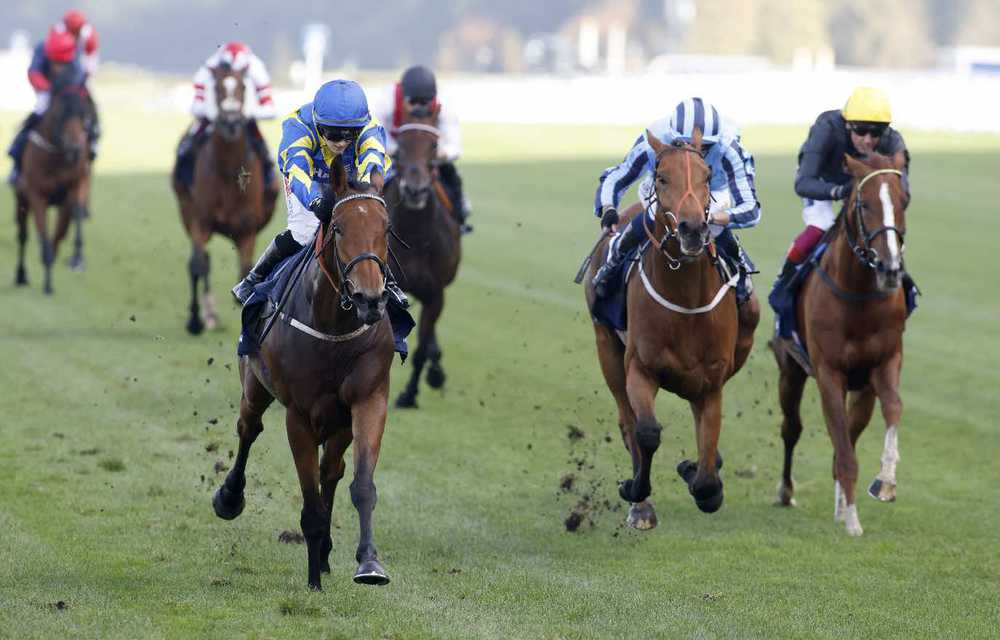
[115, 424]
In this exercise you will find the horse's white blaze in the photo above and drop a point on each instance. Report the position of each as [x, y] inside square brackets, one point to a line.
[889, 220]
[229, 83]
[890, 456]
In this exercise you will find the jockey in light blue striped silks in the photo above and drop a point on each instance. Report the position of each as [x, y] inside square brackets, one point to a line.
[335, 127]
[734, 202]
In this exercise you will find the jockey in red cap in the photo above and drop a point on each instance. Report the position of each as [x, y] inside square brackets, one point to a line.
[259, 106]
[85, 35]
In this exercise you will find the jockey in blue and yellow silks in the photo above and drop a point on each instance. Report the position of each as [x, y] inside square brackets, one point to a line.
[335, 127]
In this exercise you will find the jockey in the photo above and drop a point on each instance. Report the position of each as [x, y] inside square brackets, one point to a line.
[239, 57]
[733, 205]
[860, 128]
[76, 23]
[416, 93]
[335, 127]
[55, 59]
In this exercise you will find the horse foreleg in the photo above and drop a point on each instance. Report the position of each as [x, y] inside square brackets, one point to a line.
[315, 519]
[435, 372]
[331, 470]
[832, 386]
[885, 381]
[430, 310]
[39, 207]
[244, 248]
[702, 478]
[21, 276]
[791, 383]
[368, 424]
[229, 501]
[641, 389]
[197, 271]
[207, 299]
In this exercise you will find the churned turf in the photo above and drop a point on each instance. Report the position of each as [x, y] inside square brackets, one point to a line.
[116, 427]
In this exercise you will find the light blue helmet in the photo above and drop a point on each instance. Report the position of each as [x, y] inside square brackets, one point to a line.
[341, 104]
[696, 113]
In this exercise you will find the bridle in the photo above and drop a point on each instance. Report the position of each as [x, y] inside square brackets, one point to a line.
[423, 128]
[56, 145]
[867, 255]
[670, 222]
[323, 239]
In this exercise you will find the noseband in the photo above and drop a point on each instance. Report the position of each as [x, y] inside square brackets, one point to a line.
[344, 270]
[863, 250]
[671, 230]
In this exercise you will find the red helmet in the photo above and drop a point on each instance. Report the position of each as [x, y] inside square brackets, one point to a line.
[60, 46]
[236, 55]
[74, 21]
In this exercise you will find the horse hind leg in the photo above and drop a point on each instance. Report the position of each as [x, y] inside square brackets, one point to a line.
[748, 316]
[429, 313]
[209, 315]
[315, 519]
[331, 471]
[229, 500]
[791, 383]
[197, 270]
[435, 372]
[76, 262]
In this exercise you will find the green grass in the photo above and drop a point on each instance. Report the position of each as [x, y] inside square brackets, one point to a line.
[114, 423]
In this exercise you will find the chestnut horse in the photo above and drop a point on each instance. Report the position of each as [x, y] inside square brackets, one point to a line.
[328, 363]
[685, 333]
[851, 314]
[228, 195]
[419, 208]
[55, 170]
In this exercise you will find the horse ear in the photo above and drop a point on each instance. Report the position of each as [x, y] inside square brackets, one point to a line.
[857, 168]
[654, 142]
[338, 177]
[696, 139]
[435, 112]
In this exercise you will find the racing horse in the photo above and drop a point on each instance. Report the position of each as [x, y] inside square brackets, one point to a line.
[227, 196]
[328, 363]
[56, 171]
[851, 313]
[684, 333]
[420, 211]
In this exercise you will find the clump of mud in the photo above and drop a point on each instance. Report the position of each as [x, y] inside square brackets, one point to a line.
[291, 537]
[582, 483]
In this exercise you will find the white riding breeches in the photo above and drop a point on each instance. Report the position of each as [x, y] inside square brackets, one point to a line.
[42, 100]
[818, 213]
[301, 221]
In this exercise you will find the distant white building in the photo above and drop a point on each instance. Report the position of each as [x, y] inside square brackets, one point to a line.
[17, 94]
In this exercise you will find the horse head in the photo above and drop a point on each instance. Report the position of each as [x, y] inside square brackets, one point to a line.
[356, 242]
[875, 221]
[682, 193]
[417, 138]
[67, 126]
[230, 90]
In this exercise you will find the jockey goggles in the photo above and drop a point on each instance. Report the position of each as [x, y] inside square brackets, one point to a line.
[338, 134]
[874, 129]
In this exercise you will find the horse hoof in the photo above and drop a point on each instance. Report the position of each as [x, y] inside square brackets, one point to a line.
[785, 498]
[642, 516]
[882, 491]
[195, 326]
[686, 470]
[711, 504]
[435, 377]
[406, 401]
[315, 586]
[211, 322]
[371, 572]
[47, 290]
[21, 279]
[222, 503]
[77, 263]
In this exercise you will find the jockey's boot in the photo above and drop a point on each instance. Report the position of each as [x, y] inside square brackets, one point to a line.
[280, 248]
[910, 291]
[620, 247]
[395, 292]
[460, 203]
[781, 297]
[736, 257]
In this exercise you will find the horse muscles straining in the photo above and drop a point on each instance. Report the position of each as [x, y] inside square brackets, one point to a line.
[228, 196]
[851, 314]
[55, 170]
[421, 218]
[685, 333]
[334, 391]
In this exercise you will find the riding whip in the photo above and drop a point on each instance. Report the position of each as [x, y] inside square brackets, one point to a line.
[590, 256]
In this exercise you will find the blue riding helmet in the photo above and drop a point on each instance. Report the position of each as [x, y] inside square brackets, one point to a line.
[692, 113]
[340, 104]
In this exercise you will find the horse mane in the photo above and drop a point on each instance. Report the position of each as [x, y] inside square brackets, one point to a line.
[876, 161]
[361, 187]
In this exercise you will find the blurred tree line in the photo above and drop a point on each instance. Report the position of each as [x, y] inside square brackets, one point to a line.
[176, 35]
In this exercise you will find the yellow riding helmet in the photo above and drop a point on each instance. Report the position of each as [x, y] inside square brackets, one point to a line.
[868, 104]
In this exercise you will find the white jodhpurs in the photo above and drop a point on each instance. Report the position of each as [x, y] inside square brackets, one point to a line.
[818, 213]
[301, 221]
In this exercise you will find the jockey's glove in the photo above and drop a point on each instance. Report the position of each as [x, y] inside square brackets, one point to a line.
[609, 217]
[841, 191]
[322, 206]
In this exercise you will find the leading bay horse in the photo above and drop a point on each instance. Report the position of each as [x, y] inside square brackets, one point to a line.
[685, 332]
[419, 207]
[55, 171]
[851, 314]
[327, 361]
[228, 195]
